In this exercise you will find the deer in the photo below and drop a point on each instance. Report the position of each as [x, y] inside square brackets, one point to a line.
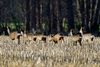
[56, 38]
[40, 38]
[14, 35]
[29, 37]
[87, 37]
[74, 38]
[26, 37]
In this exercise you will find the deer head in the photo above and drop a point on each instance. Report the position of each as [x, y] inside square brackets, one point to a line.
[81, 31]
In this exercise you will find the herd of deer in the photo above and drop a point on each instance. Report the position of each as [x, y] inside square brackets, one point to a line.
[79, 38]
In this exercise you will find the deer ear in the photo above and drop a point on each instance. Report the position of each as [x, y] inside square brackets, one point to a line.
[21, 32]
[8, 30]
[81, 30]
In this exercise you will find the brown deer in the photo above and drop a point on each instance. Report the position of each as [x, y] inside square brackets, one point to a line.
[33, 38]
[14, 35]
[56, 38]
[27, 38]
[40, 38]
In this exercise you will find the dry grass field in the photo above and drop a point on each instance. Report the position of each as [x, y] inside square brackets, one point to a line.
[40, 54]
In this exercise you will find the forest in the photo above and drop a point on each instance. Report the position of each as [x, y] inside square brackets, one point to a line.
[50, 16]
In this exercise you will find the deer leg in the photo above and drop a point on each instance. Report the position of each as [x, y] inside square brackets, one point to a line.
[80, 41]
[18, 37]
[75, 43]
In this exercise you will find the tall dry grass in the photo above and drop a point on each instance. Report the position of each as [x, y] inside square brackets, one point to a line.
[40, 54]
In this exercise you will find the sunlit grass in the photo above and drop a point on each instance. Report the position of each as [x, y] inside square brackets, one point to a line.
[40, 54]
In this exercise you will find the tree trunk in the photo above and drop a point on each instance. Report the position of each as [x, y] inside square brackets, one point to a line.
[82, 11]
[92, 11]
[38, 16]
[95, 25]
[27, 16]
[33, 14]
[41, 17]
[88, 15]
[52, 22]
[49, 15]
[70, 14]
[60, 17]
[57, 14]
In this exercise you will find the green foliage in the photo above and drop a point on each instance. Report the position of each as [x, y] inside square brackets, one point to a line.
[45, 25]
[77, 25]
[12, 26]
[1, 25]
[65, 25]
[99, 27]
[16, 24]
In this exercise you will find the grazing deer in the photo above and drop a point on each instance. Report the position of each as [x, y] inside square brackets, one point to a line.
[44, 39]
[40, 38]
[56, 38]
[34, 38]
[27, 38]
[59, 37]
[30, 38]
[14, 35]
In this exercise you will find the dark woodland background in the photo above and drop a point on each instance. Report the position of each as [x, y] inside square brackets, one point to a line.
[50, 16]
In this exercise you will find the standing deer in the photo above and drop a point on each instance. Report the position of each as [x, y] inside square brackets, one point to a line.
[14, 35]
[75, 38]
[87, 37]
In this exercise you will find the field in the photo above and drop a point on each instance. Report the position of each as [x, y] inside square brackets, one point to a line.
[40, 54]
